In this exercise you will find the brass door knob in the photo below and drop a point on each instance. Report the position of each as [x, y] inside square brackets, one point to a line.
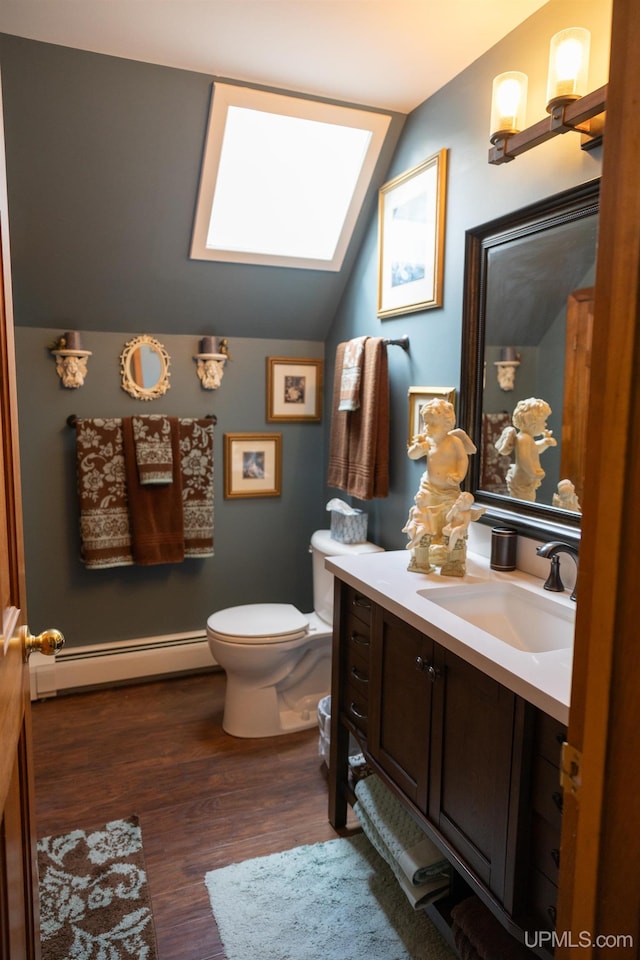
[48, 642]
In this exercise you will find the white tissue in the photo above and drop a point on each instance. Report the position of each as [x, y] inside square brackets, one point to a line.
[339, 506]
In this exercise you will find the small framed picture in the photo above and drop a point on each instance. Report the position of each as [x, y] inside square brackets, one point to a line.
[294, 389]
[252, 464]
[411, 224]
[420, 395]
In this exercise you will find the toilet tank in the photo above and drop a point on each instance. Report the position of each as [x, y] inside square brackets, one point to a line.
[323, 545]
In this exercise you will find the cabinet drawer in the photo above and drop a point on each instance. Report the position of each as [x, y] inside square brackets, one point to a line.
[545, 847]
[356, 708]
[357, 639]
[358, 605]
[547, 792]
[542, 902]
[357, 671]
[549, 737]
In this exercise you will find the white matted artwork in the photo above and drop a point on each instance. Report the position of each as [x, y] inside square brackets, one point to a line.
[252, 464]
[420, 395]
[411, 226]
[294, 388]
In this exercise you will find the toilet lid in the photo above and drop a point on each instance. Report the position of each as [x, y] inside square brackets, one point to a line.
[258, 623]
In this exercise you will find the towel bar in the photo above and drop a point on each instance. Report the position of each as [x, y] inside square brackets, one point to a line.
[400, 342]
[72, 419]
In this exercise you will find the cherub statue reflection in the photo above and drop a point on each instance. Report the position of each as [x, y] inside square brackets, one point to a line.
[529, 421]
[447, 453]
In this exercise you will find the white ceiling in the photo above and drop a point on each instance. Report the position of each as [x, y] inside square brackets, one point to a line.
[391, 54]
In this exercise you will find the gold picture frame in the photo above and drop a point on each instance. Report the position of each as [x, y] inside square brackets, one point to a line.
[418, 396]
[252, 464]
[294, 389]
[411, 228]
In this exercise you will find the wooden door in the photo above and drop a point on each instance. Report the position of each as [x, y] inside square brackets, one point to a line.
[470, 765]
[19, 927]
[400, 703]
[577, 383]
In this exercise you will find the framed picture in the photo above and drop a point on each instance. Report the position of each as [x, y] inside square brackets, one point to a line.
[252, 464]
[294, 389]
[411, 222]
[420, 395]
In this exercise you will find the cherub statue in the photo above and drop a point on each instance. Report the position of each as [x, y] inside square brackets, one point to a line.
[459, 517]
[566, 497]
[529, 421]
[447, 453]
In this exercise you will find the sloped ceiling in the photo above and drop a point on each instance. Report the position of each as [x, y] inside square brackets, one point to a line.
[383, 53]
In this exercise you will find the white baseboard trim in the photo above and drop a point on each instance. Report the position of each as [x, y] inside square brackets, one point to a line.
[98, 664]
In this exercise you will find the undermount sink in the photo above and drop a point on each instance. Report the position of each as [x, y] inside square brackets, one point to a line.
[519, 617]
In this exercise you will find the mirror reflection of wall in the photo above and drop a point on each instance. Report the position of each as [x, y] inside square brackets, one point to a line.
[529, 282]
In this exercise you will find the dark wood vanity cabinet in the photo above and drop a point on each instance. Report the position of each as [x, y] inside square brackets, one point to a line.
[474, 762]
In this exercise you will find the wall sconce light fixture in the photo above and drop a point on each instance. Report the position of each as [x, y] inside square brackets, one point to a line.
[508, 105]
[210, 364]
[71, 359]
[506, 368]
[570, 108]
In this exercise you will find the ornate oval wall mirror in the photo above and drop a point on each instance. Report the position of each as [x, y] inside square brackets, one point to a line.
[529, 285]
[144, 365]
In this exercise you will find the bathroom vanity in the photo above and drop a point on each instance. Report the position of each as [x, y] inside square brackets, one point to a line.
[463, 726]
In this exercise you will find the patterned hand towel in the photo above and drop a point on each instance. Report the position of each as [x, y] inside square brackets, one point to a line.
[155, 510]
[196, 451]
[351, 374]
[102, 491]
[152, 439]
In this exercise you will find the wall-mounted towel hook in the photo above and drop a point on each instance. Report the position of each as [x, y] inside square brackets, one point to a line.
[400, 342]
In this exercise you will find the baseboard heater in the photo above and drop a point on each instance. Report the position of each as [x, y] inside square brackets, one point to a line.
[106, 664]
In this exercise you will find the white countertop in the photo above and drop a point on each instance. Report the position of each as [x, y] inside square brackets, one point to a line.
[543, 679]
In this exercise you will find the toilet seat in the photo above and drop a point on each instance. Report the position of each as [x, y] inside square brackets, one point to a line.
[263, 623]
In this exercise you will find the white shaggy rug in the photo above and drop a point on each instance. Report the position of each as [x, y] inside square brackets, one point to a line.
[326, 901]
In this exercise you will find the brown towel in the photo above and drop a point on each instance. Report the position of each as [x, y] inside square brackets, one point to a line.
[152, 438]
[102, 492]
[480, 936]
[196, 446]
[359, 445]
[351, 376]
[155, 511]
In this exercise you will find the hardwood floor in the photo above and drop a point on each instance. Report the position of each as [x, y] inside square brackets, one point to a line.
[204, 799]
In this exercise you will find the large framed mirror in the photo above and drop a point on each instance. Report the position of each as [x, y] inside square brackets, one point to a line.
[144, 367]
[527, 324]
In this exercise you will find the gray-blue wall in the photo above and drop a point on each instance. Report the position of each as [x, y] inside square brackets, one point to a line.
[103, 161]
[457, 117]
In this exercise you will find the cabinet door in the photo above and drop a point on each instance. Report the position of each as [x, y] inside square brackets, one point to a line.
[400, 703]
[470, 771]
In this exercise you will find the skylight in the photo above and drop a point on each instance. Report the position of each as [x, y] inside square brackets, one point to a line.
[283, 178]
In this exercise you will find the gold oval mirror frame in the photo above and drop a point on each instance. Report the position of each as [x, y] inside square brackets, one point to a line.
[144, 365]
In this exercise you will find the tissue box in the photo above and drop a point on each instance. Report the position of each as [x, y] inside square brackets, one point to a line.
[349, 528]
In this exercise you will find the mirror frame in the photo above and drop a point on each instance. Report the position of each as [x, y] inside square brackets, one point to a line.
[530, 519]
[129, 383]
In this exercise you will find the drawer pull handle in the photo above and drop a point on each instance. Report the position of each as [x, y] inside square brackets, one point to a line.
[362, 602]
[360, 640]
[555, 856]
[361, 677]
[557, 799]
[552, 913]
[354, 710]
[421, 663]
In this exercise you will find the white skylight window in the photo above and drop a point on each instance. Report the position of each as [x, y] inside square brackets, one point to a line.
[283, 178]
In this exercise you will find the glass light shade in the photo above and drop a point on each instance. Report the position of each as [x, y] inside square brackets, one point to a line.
[508, 104]
[568, 66]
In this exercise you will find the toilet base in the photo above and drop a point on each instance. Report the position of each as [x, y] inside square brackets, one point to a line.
[268, 715]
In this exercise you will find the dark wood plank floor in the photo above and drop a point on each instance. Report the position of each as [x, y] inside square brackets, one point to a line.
[204, 799]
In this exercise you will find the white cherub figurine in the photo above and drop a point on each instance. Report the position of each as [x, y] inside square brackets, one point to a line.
[447, 452]
[459, 517]
[566, 497]
[529, 421]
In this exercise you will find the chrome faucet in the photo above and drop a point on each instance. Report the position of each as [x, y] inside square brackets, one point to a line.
[551, 550]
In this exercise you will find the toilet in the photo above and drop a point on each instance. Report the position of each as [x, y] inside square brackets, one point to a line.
[277, 659]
